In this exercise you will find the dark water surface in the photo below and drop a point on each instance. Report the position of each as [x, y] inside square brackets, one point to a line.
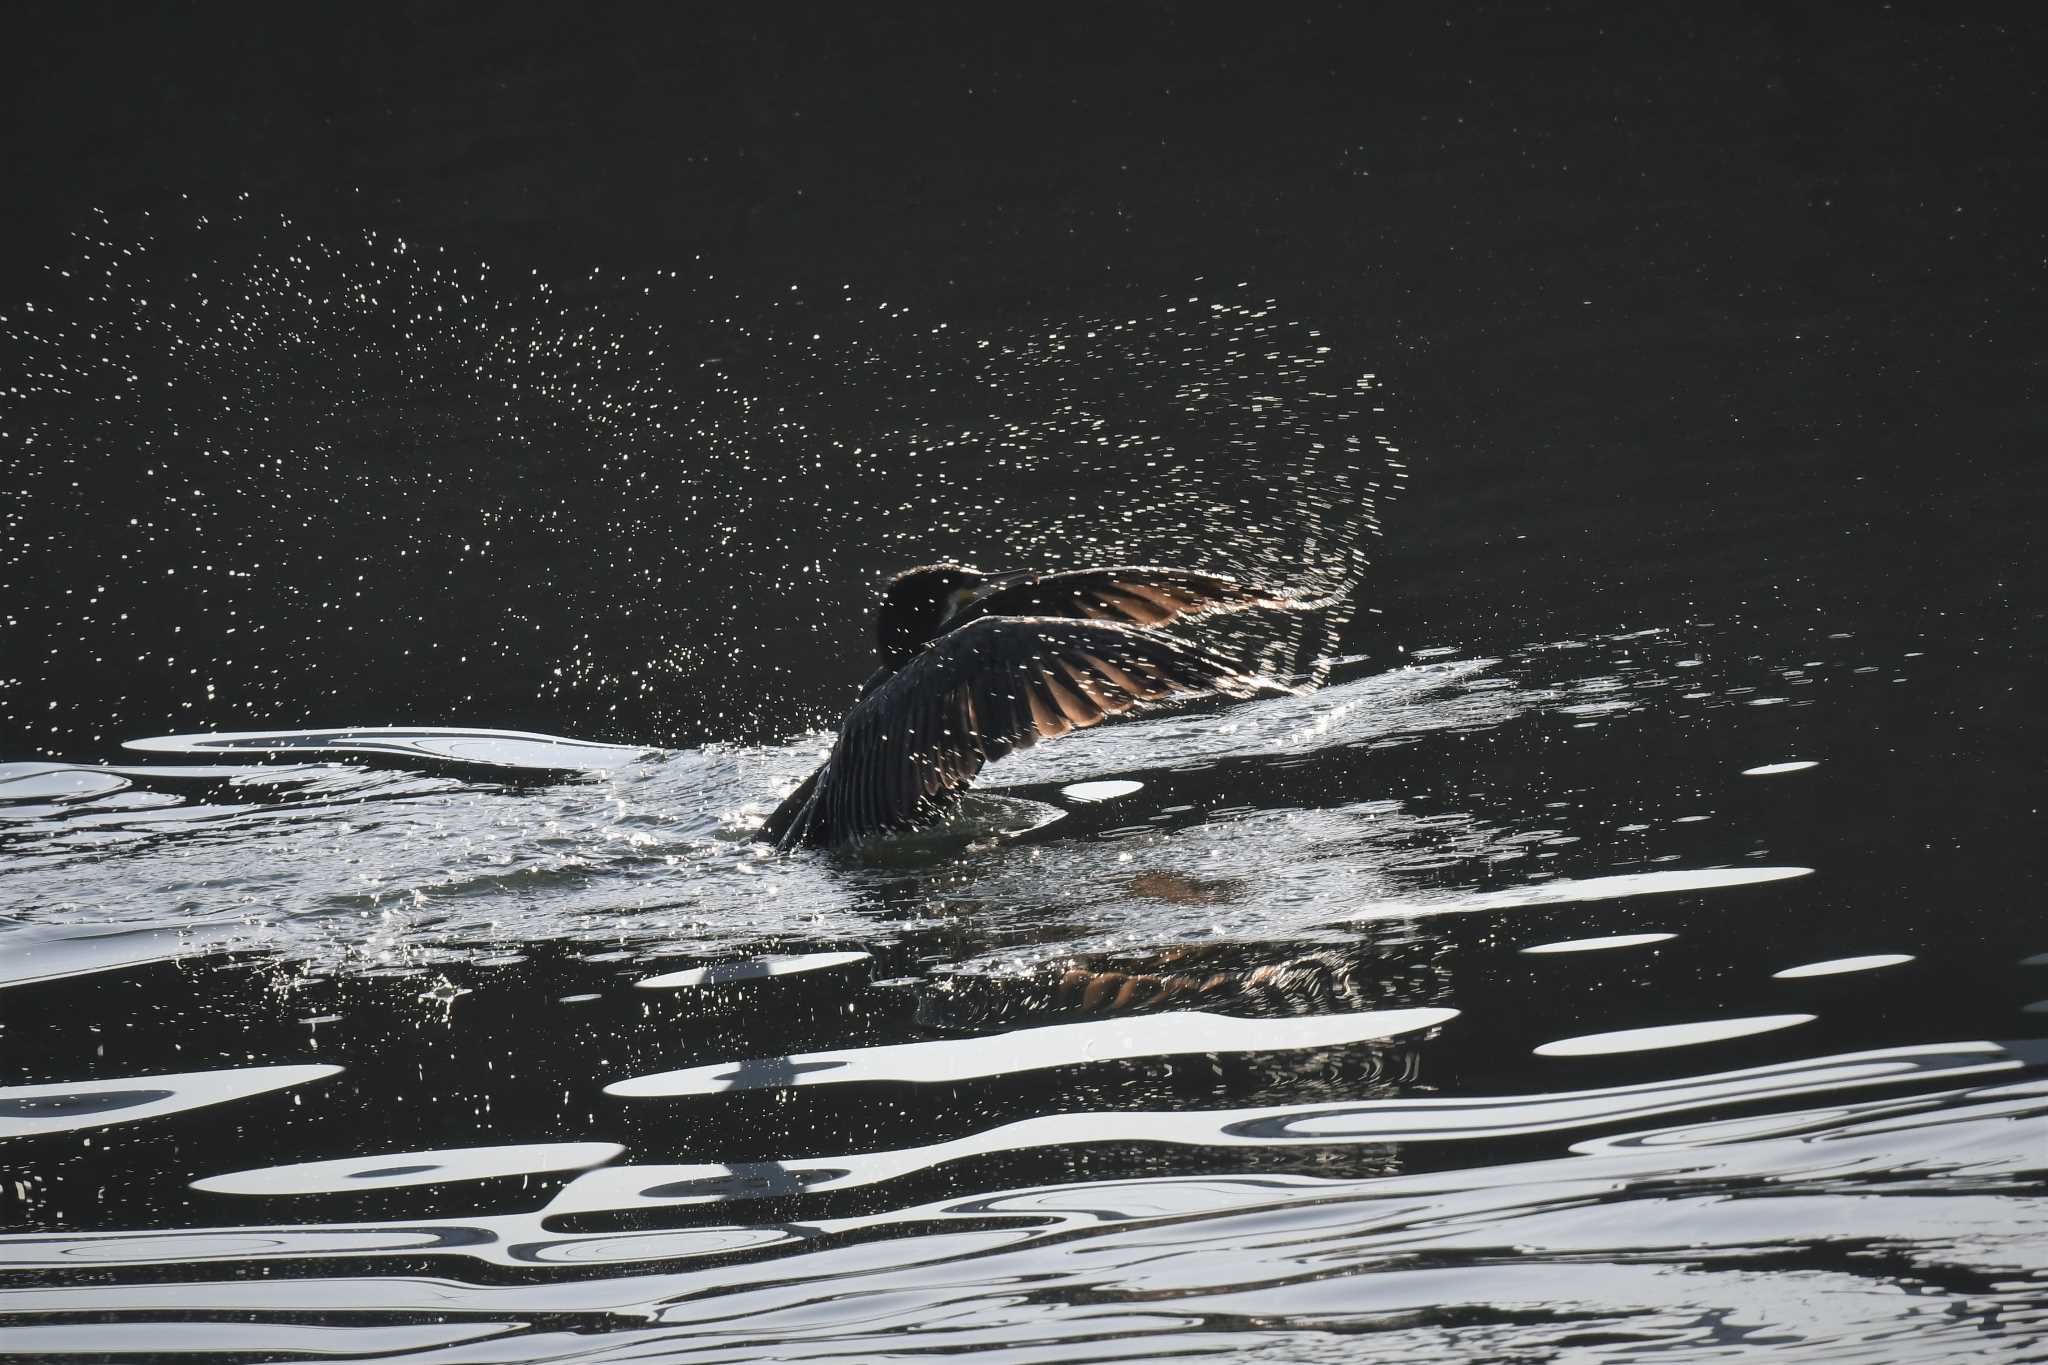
[449, 462]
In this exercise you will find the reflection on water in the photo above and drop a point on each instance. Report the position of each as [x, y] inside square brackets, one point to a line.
[1837, 966]
[465, 854]
[1486, 1255]
[1669, 1035]
[1600, 889]
[1601, 944]
[334, 861]
[1546, 998]
[44, 952]
[35, 1110]
[411, 1168]
[1485, 1005]
[750, 969]
[1100, 791]
[1179, 1033]
[413, 745]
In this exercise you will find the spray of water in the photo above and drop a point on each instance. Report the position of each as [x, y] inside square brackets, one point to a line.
[260, 477]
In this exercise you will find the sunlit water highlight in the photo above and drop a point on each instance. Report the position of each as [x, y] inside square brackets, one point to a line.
[1482, 1000]
[1593, 1211]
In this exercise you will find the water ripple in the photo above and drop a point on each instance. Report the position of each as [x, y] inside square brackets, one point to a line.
[1488, 1258]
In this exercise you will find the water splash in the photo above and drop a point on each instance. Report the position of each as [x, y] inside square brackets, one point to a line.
[380, 483]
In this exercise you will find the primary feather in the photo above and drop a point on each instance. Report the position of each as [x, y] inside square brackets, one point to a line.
[976, 666]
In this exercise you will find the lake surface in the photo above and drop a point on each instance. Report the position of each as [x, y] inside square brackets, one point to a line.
[428, 560]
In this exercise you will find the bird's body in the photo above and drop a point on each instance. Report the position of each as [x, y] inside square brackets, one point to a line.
[975, 665]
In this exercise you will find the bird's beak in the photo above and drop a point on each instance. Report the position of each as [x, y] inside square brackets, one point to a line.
[989, 584]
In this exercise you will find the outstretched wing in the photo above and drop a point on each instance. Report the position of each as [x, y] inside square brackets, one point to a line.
[997, 684]
[1143, 594]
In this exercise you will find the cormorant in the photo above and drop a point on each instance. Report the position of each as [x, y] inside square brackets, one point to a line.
[975, 665]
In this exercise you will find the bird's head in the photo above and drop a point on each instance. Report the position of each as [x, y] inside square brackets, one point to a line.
[916, 604]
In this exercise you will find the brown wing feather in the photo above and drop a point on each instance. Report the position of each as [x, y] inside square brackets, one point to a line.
[1141, 593]
[979, 692]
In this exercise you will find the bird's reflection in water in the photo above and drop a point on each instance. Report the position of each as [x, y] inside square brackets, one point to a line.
[1181, 889]
[1243, 979]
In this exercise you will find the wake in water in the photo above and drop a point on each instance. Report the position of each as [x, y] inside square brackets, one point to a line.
[411, 849]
